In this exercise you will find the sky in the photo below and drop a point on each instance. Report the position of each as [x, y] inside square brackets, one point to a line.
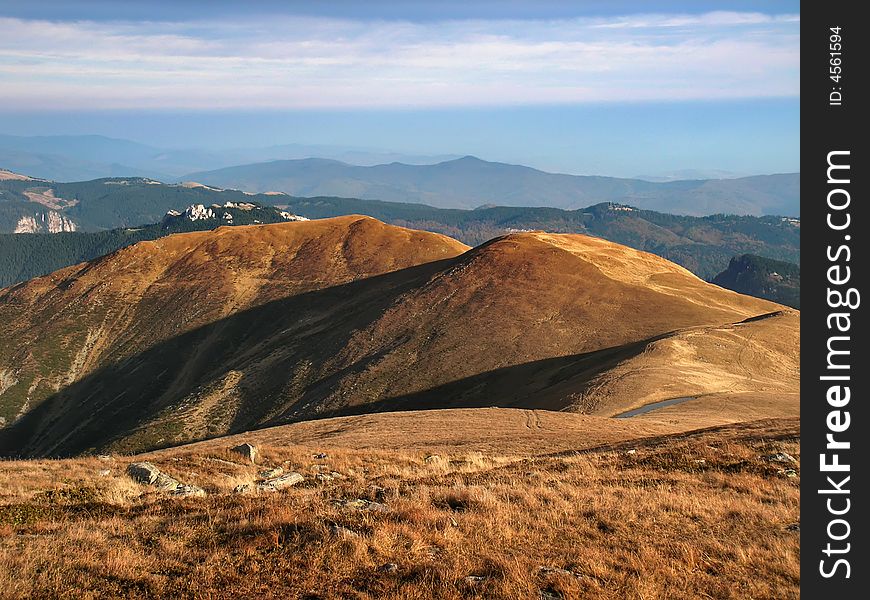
[616, 88]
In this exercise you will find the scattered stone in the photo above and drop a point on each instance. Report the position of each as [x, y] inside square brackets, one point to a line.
[183, 490]
[432, 458]
[249, 451]
[243, 488]
[336, 475]
[143, 472]
[320, 455]
[700, 461]
[780, 457]
[474, 579]
[453, 522]
[105, 457]
[165, 483]
[146, 473]
[323, 477]
[551, 594]
[362, 505]
[269, 473]
[632, 451]
[280, 483]
[105, 472]
[388, 568]
[793, 527]
[342, 532]
[787, 472]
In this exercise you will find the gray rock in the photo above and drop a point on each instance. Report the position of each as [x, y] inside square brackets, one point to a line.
[474, 579]
[432, 458]
[243, 488]
[105, 472]
[388, 568]
[143, 472]
[165, 483]
[269, 473]
[323, 477]
[279, 483]
[780, 457]
[320, 455]
[793, 527]
[249, 451]
[147, 474]
[185, 491]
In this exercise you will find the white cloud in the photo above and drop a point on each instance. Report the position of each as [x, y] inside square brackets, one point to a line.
[316, 62]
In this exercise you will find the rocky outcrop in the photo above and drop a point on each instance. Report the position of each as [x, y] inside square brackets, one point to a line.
[279, 483]
[147, 473]
[249, 451]
[47, 222]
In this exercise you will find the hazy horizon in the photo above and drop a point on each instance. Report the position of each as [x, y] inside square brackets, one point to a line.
[615, 89]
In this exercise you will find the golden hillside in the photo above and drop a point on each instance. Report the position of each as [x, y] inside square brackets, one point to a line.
[204, 334]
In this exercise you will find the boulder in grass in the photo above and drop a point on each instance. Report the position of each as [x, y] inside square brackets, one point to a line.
[143, 472]
[249, 451]
[279, 483]
[183, 490]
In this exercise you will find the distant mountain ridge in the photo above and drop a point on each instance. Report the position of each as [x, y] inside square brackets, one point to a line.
[80, 157]
[469, 182]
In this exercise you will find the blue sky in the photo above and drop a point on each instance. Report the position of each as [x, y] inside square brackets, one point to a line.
[618, 88]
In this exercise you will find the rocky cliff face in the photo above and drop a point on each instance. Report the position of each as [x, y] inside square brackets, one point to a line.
[47, 222]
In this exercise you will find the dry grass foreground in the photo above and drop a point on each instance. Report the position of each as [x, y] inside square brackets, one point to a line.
[627, 513]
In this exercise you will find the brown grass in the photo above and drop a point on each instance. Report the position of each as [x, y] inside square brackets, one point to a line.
[690, 515]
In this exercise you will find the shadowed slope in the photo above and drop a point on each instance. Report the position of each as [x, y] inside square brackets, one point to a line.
[60, 327]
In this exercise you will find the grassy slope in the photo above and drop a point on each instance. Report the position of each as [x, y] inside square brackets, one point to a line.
[522, 510]
[203, 334]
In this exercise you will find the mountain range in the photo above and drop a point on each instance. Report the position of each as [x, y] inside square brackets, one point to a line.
[469, 182]
[79, 157]
[445, 181]
[200, 334]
